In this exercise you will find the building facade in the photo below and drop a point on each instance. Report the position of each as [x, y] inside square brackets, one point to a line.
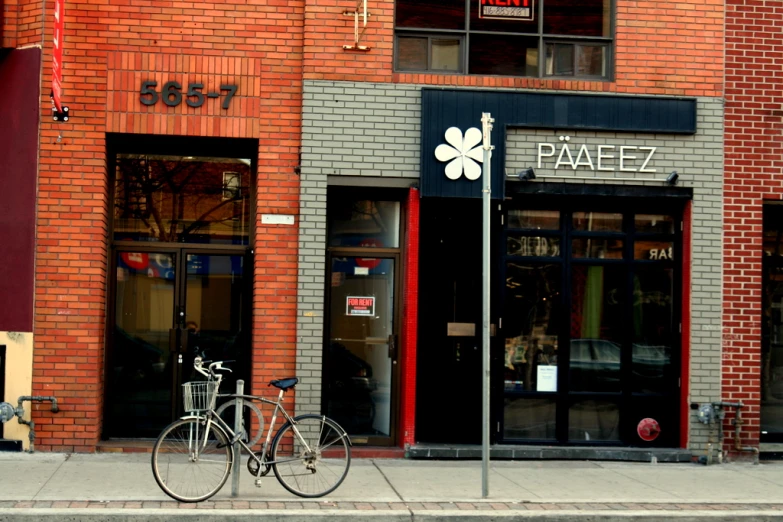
[566, 368]
[165, 223]
[752, 224]
[297, 188]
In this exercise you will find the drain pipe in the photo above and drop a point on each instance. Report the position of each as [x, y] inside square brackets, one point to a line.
[31, 423]
[738, 422]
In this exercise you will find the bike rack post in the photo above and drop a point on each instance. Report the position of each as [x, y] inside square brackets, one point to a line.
[238, 421]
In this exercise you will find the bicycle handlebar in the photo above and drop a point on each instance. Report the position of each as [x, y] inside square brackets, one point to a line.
[198, 365]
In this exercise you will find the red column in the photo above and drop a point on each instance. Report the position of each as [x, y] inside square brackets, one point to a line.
[410, 316]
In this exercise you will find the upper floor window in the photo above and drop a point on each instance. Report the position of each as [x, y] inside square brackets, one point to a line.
[537, 38]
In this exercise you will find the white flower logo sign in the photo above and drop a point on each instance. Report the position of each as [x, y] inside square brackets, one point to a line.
[463, 154]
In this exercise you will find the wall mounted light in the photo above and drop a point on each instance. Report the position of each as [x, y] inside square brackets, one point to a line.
[672, 178]
[527, 174]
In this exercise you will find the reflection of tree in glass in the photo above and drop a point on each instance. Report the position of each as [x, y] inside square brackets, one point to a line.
[174, 197]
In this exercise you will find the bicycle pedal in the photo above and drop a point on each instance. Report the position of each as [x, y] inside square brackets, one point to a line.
[258, 482]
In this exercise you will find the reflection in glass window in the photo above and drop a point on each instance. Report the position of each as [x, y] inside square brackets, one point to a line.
[365, 223]
[503, 55]
[577, 17]
[654, 250]
[597, 248]
[525, 418]
[654, 223]
[593, 421]
[181, 199]
[773, 229]
[597, 327]
[445, 54]
[532, 311]
[653, 329]
[412, 54]
[536, 219]
[518, 245]
[598, 222]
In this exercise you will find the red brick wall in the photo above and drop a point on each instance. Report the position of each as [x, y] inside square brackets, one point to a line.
[754, 132]
[109, 51]
[672, 49]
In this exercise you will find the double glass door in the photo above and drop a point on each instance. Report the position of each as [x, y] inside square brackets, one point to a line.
[169, 306]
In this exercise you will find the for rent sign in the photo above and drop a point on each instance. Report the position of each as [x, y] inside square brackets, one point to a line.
[57, 55]
[506, 9]
[360, 305]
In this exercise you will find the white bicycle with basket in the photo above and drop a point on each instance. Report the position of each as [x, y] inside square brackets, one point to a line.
[193, 456]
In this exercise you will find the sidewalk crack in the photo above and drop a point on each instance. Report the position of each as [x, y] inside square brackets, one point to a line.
[410, 511]
[35, 497]
[646, 483]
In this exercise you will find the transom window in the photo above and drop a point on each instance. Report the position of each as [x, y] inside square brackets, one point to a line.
[536, 38]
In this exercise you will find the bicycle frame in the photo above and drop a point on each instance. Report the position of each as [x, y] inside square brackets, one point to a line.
[213, 417]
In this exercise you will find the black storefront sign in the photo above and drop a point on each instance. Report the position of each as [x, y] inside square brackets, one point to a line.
[460, 108]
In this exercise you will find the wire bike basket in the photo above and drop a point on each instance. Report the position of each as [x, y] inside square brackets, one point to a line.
[199, 396]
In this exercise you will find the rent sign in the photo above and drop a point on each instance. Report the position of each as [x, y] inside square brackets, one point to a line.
[506, 9]
[360, 305]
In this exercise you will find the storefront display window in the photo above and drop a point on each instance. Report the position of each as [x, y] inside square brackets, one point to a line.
[487, 38]
[589, 328]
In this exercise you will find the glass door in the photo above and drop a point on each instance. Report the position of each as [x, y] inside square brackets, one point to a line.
[772, 325]
[169, 306]
[361, 354]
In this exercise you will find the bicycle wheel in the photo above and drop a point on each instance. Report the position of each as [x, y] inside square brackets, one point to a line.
[315, 464]
[189, 464]
[253, 420]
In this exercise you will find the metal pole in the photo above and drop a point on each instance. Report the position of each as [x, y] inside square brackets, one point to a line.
[238, 424]
[486, 121]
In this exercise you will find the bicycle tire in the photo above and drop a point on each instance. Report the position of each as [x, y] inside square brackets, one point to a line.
[256, 425]
[318, 472]
[174, 468]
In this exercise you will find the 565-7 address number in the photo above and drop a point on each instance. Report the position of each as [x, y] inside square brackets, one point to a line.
[172, 94]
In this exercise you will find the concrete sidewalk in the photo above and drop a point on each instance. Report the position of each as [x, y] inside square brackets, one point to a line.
[116, 486]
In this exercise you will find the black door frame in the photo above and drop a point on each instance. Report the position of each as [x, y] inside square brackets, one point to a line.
[178, 333]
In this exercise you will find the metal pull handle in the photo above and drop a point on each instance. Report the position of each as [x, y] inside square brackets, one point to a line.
[392, 347]
[178, 340]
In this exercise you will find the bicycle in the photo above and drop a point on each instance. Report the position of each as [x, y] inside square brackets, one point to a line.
[227, 410]
[193, 456]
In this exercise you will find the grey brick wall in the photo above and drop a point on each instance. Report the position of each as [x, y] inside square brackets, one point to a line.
[374, 130]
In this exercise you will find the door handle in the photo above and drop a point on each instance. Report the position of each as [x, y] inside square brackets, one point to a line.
[392, 347]
[178, 340]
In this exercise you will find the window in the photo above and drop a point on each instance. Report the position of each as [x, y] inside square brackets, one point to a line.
[534, 38]
[590, 323]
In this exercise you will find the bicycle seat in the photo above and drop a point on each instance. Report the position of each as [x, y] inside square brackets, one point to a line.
[284, 384]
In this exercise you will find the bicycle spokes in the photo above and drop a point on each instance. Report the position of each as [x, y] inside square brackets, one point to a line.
[312, 457]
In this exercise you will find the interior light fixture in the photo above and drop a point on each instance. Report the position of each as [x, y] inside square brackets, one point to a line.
[672, 178]
[527, 174]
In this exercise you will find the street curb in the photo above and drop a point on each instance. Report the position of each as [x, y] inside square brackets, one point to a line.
[307, 515]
